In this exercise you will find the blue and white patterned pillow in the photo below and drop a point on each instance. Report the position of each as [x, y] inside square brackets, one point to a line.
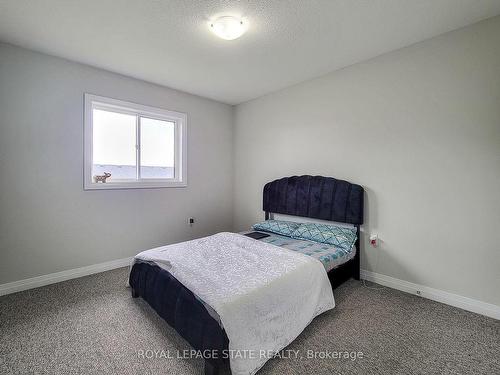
[338, 236]
[285, 228]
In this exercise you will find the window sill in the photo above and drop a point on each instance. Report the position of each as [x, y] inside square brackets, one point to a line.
[134, 185]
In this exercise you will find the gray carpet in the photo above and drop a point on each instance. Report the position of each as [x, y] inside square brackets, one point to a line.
[91, 325]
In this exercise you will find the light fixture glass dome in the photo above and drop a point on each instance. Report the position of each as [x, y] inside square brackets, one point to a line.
[228, 27]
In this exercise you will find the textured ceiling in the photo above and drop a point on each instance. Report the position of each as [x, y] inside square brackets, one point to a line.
[168, 41]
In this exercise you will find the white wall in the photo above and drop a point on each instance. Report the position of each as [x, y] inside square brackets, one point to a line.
[419, 128]
[48, 223]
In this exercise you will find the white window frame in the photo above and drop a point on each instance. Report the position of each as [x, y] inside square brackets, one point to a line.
[115, 105]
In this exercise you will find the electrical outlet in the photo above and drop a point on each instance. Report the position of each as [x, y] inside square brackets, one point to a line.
[191, 221]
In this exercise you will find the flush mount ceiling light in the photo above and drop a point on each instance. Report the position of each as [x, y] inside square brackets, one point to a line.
[228, 27]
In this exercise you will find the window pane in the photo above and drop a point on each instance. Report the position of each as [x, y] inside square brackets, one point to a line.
[114, 140]
[157, 148]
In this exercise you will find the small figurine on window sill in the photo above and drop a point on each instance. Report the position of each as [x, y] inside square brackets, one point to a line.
[102, 178]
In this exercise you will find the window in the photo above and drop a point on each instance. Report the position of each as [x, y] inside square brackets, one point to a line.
[129, 145]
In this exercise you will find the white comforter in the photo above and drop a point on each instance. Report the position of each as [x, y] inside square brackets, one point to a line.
[265, 295]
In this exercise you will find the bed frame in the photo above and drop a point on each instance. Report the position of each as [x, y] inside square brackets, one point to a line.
[315, 197]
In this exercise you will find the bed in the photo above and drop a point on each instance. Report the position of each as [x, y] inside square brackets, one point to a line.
[316, 197]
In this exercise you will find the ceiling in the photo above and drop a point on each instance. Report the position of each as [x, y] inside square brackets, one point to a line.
[168, 41]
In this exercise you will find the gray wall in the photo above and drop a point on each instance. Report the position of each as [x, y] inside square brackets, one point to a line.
[48, 223]
[420, 129]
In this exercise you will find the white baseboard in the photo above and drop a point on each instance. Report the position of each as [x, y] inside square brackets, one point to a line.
[451, 299]
[51, 278]
[469, 304]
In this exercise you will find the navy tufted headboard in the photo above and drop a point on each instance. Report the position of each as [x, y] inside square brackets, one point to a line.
[317, 197]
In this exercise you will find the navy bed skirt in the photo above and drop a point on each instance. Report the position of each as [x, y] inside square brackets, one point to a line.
[179, 307]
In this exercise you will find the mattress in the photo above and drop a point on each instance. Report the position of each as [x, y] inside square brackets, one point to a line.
[248, 284]
[198, 322]
[329, 255]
